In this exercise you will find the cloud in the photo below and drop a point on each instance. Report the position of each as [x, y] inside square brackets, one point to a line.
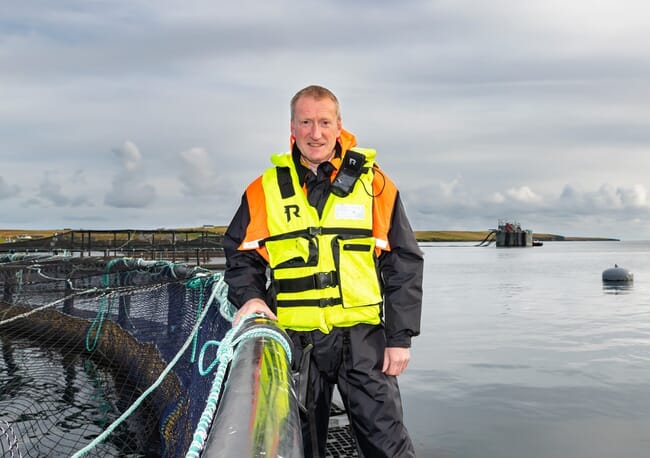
[7, 190]
[637, 196]
[456, 205]
[129, 157]
[479, 110]
[523, 194]
[197, 173]
[128, 188]
[606, 198]
[51, 192]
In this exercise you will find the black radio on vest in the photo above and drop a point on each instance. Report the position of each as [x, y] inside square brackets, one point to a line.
[348, 174]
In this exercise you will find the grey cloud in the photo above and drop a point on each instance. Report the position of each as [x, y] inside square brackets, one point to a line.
[606, 198]
[129, 192]
[8, 190]
[52, 192]
[128, 188]
[79, 176]
[33, 202]
[197, 172]
[81, 201]
[478, 110]
[453, 202]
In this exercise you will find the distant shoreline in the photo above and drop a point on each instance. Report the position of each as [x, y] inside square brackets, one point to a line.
[478, 236]
[7, 235]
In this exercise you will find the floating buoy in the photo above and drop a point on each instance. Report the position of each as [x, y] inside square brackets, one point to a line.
[617, 274]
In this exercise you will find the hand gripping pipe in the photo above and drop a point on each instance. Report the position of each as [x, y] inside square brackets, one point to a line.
[257, 414]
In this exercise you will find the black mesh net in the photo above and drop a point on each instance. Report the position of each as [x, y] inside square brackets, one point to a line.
[82, 338]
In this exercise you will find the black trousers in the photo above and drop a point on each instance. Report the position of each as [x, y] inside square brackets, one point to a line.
[352, 358]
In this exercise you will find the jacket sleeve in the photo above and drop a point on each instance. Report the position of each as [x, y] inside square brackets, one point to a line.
[401, 270]
[245, 269]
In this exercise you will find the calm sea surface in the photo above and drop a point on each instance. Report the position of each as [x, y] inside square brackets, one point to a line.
[524, 353]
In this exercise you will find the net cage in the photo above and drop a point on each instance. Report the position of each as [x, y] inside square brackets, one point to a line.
[81, 339]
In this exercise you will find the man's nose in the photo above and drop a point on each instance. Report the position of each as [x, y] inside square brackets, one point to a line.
[315, 130]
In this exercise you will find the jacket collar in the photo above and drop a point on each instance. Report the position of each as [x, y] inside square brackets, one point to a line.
[345, 141]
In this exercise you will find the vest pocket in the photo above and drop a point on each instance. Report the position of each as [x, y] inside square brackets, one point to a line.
[357, 273]
[292, 252]
[356, 247]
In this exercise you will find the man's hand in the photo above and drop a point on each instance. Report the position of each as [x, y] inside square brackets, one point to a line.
[395, 360]
[252, 306]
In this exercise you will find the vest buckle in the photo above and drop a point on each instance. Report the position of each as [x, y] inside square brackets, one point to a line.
[325, 279]
[314, 231]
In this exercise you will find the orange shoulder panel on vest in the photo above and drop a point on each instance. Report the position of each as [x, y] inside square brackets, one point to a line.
[385, 193]
[257, 227]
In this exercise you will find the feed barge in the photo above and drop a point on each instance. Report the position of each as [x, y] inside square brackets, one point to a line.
[510, 234]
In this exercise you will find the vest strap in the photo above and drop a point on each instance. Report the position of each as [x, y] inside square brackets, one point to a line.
[314, 231]
[284, 182]
[325, 302]
[346, 231]
[319, 280]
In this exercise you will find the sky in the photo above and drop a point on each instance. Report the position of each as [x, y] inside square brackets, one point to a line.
[156, 113]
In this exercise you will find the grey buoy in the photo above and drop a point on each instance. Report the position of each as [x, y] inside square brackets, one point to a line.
[617, 274]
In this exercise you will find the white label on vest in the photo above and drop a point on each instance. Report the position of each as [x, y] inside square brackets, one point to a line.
[348, 211]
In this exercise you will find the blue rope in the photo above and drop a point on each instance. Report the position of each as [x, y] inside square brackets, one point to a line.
[199, 283]
[104, 307]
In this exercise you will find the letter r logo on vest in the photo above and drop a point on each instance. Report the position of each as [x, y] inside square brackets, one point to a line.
[289, 209]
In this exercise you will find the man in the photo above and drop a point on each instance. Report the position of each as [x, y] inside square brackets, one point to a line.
[345, 274]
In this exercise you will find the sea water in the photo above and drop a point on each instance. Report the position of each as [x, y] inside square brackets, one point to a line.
[525, 353]
[53, 403]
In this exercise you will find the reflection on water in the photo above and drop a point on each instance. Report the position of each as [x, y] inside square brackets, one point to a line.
[57, 401]
[617, 287]
[527, 353]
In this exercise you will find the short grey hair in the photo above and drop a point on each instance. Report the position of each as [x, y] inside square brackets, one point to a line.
[318, 93]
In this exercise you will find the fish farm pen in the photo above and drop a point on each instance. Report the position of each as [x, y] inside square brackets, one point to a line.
[188, 246]
[108, 356]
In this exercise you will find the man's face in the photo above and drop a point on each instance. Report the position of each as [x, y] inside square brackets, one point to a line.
[315, 127]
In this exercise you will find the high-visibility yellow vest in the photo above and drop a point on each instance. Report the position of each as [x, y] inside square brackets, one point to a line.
[323, 269]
